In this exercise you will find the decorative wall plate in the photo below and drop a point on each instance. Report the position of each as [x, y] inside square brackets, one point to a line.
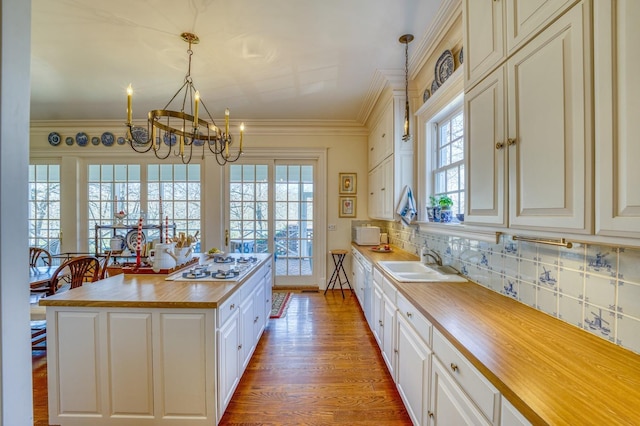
[173, 137]
[460, 55]
[107, 139]
[121, 140]
[132, 239]
[434, 87]
[69, 140]
[95, 140]
[54, 138]
[444, 67]
[82, 139]
[426, 95]
[139, 134]
[198, 142]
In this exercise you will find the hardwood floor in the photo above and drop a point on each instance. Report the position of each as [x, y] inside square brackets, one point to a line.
[318, 365]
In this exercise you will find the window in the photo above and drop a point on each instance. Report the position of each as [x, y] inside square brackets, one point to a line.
[137, 191]
[448, 172]
[44, 207]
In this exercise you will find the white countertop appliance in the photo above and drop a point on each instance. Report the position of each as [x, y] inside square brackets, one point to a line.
[367, 235]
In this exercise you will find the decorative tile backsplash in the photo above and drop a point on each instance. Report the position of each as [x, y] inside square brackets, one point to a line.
[594, 287]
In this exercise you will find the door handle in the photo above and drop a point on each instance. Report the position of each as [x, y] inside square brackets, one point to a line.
[226, 238]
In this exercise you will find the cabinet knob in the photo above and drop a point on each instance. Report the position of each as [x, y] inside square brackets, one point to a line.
[371, 149]
[255, 320]
[454, 366]
[380, 323]
[499, 145]
[395, 351]
[232, 306]
[384, 134]
[430, 413]
[239, 347]
[511, 141]
[409, 314]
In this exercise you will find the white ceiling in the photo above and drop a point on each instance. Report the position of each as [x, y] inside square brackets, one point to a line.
[264, 59]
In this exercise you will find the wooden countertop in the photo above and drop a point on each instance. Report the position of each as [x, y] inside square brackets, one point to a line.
[150, 291]
[553, 372]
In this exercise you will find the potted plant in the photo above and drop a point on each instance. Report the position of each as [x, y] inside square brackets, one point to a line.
[431, 208]
[445, 203]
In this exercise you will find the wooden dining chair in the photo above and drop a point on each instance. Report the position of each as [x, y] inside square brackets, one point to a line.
[104, 262]
[79, 269]
[38, 254]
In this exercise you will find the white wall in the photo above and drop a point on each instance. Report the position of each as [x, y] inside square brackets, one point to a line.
[16, 406]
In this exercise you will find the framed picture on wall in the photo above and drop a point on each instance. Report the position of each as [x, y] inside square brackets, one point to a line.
[347, 207]
[348, 183]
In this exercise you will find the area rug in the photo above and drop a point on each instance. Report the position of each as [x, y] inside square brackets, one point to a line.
[279, 304]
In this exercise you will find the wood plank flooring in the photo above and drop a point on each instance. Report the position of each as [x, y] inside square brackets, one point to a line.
[318, 365]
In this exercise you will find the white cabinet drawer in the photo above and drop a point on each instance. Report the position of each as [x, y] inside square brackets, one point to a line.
[419, 323]
[389, 289]
[475, 385]
[227, 308]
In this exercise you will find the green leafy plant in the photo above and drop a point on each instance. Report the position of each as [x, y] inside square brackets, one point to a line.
[445, 202]
[433, 201]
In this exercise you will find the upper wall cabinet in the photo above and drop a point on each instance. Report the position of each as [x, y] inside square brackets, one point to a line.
[495, 29]
[390, 160]
[617, 103]
[547, 148]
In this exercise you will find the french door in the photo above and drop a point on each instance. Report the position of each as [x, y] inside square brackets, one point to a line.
[272, 210]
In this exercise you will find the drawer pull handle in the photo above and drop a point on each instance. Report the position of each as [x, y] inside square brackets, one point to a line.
[409, 314]
[380, 323]
[454, 366]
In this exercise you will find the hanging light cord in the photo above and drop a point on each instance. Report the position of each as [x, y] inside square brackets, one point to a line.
[406, 39]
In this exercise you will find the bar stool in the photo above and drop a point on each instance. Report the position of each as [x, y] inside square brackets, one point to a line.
[338, 260]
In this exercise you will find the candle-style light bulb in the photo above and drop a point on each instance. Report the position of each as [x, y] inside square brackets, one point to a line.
[195, 109]
[226, 122]
[241, 134]
[129, 111]
[182, 143]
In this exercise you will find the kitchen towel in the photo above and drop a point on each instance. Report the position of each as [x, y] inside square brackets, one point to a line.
[407, 206]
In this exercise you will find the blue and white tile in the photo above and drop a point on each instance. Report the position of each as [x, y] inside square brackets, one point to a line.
[627, 333]
[527, 293]
[509, 247]
[573, 258]
[571, 282]
[629, 299]
[548, 254]
[570, 310]
[629, 265]
[510, 266]
[601, 260]
[600, 322]
[484, 261]
[527, 270]
[548, 301]
[548, 276]
[528, 251]
[510, 288]
[600, 291]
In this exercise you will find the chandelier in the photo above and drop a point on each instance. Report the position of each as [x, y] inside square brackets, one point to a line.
[406, 39]
[178, 131]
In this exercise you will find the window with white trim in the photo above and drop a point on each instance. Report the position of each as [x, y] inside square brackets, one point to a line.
[44, 207]
[448, 154]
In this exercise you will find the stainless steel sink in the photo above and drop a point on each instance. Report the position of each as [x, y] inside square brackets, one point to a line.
[415, 271]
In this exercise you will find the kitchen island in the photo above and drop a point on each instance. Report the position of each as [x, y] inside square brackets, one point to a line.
[150, 349]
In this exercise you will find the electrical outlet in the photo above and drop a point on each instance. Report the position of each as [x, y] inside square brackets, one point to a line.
[331, 227]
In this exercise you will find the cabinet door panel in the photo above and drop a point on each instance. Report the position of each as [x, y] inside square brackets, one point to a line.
[485, 127]
[617, 103]
[483, 38]
[413, 371]
[527, 17]
[549, 162]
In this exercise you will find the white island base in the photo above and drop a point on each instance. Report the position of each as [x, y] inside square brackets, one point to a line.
[152, 361]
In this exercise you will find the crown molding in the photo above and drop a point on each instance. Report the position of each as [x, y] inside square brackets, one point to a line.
[447, 13]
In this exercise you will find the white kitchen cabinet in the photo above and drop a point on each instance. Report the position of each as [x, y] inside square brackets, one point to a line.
[485, 137]
[358, 278]
[616, 100]
[413, 372]
[510, 416]
[381, 137]
[247, 321]
[377, 310]
[229, 346]
[449, 404]
[548, 136]
[390, 162]
[483, 32]
[495, 29]
[388, 337]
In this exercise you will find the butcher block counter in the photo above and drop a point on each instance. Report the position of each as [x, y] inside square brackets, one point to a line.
[146, 349]
[552, 372]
